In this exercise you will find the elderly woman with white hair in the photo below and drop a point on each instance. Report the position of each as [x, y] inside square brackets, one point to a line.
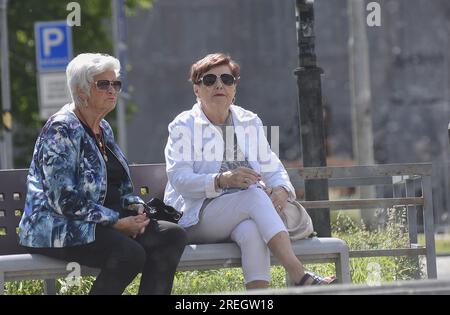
[79, 204]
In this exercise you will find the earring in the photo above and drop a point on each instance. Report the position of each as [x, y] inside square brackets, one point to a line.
[233, 100]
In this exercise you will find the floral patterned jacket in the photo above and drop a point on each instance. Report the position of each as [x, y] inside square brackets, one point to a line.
[66, 185]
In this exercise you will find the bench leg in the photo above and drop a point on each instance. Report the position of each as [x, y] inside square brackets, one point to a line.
[342, 265]
[49, 287]
[2, 283]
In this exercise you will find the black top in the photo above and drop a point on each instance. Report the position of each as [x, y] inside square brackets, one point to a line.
[115, 175]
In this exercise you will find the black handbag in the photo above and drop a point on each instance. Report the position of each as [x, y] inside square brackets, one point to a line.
[156, 209]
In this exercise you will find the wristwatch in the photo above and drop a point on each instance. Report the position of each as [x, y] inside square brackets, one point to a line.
[217, 187]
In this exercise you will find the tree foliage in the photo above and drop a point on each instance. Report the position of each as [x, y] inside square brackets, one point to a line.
[94, 35]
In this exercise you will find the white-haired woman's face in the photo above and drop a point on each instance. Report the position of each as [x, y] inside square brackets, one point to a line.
[219, 94]
[103, 95]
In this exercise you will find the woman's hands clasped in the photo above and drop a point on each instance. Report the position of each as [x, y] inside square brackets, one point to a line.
[241, 177]
[133, 225]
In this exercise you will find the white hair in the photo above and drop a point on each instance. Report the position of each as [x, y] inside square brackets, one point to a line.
[81, 71]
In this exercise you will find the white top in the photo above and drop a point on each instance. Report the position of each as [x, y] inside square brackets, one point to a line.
[194, 154]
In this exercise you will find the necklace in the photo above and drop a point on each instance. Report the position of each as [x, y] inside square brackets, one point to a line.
[101, 144]
[99, 140]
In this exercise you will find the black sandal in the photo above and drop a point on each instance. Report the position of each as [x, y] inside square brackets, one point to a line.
[316, 279]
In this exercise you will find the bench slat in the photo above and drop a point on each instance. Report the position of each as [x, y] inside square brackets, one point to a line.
[365, 171]
[410, 252]
[362, 203]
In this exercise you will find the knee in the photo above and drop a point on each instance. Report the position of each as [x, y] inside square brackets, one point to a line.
[258, 198]
[177, 236]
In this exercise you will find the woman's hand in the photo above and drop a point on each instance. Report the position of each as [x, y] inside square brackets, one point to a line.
[133, 225]
[241, 177]
[139, 208]
[279, 197]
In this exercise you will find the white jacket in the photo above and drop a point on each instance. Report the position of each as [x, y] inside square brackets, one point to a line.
[194, 154]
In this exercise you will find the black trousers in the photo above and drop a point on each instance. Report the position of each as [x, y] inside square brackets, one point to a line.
[156, 254]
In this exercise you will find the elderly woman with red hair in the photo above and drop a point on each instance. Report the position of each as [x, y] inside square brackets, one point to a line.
[218, 159]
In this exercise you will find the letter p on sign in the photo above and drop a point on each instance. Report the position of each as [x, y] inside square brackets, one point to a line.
[52, 37]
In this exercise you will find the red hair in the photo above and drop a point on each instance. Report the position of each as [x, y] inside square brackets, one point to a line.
[210, 61]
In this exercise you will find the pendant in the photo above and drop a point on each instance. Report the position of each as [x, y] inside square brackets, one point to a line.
[105, 157]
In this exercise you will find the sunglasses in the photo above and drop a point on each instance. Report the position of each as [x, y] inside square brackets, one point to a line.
[210, 79]
[104, 85]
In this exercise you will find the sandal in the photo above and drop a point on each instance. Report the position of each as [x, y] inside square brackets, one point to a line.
[316, 279]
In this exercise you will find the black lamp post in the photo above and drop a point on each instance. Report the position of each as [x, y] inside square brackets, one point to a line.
[311, 113]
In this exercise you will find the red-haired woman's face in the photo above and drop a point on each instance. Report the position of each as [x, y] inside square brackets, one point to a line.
[218, 95]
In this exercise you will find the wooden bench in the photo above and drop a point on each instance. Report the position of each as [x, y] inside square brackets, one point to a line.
[149, 181]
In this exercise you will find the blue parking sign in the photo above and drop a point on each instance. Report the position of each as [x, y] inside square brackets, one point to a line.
[53, 45]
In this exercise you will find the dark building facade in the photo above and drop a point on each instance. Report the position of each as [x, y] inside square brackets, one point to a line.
[409, 61]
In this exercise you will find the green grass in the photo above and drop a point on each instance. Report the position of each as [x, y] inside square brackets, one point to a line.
[377, 269]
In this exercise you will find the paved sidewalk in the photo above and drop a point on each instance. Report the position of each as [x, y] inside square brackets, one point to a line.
[424, 286]
[443, 267]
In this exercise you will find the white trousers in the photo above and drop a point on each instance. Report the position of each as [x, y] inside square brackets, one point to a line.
[247, 217]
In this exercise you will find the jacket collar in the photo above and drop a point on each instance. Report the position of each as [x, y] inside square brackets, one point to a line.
[199, 115]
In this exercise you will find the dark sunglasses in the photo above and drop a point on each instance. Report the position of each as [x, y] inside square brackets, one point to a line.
[105, 84]
[210, 79]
